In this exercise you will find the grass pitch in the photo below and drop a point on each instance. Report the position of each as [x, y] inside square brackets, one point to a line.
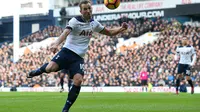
[99, 102]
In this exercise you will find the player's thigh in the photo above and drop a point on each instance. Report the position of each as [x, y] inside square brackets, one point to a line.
[62, 59]
[180, 76]
[52, 67]
[77, 70]
[187, 70]
[188, 78]
[144, 82]
[78, 79]
[181, 68]
[63, 73]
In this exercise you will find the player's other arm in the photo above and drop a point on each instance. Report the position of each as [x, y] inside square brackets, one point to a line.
[65, 33]
[60, 39]
[194, 56]
[114, 31]
[177, 55]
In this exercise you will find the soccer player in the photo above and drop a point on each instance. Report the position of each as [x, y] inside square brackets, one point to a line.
[77, 35]
[62, 76]
[144, 78]
[187, 56]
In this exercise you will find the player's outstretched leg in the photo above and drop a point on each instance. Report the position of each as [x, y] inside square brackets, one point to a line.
[74, 92]
[46, 68]
[38, 71]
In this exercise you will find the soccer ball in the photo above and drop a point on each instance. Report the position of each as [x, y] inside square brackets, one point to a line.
[112, 4]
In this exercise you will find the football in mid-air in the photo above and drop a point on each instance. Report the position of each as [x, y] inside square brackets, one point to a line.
[112, 4]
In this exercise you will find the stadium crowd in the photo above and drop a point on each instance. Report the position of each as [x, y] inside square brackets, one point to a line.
[50, 31]
[104, 66]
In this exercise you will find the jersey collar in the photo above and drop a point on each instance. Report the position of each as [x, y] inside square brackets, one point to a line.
[79, 18]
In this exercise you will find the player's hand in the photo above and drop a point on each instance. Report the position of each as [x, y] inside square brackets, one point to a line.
[192, 64]
[53, 47]
[124, 25]
[190, 67]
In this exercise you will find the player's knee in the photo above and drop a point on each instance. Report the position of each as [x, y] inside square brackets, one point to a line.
[52, 67]
[180, 76]
[188, 78]
[78, 79]
[62, 75]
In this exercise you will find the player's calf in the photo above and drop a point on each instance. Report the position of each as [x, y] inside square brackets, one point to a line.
[37, 72]
[191, 84]
[69, 84]
[192, 90]
[62, 83]
[74, 92]
[177, 85]
[65, 111]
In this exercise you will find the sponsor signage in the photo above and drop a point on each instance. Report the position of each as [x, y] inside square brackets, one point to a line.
[130, 6]
[100, 89]
[131, 15]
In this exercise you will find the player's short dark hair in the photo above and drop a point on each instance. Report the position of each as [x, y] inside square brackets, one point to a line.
[83, 2]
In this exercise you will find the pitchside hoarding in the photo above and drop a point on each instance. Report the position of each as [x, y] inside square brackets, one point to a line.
[134, 89]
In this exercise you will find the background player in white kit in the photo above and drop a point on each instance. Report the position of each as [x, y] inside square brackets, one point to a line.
[78, 33]
[187, 56]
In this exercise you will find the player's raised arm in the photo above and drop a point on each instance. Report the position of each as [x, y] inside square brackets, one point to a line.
[114, 31]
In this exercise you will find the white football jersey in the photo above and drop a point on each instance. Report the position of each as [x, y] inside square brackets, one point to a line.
[185, 53]
[81, 32]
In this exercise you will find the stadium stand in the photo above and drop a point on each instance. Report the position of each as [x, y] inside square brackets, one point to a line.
[103, 65]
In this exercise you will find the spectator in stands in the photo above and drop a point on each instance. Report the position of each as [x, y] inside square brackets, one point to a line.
[110, 67]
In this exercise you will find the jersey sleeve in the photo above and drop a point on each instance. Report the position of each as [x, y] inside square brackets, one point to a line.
[193, 50]
[177, 54]
[98, 27]
[177, 51]
[71, 24]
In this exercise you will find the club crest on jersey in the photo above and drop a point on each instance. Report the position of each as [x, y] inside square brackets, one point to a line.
[92, 25]
[86, 33]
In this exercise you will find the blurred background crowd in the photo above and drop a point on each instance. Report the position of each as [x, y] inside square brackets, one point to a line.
[76, 2]
[104, 66]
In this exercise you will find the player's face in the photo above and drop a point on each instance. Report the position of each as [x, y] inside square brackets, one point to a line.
[86, 11]
[185, 41]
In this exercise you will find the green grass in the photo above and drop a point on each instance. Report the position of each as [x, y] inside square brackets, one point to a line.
[100, 102]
